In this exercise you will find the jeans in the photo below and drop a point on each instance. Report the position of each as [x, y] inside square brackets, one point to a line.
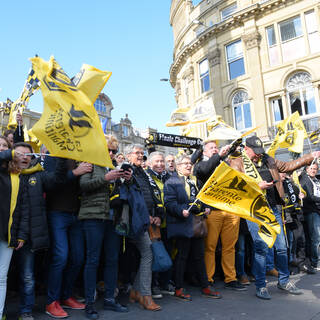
[67, 254]
[313, 224]
[270, 259]
[241, 254]
[26, 277]
[261, 251]
[98, 232]
[5, 258]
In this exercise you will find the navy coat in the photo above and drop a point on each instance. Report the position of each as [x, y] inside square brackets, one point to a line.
[176, 200]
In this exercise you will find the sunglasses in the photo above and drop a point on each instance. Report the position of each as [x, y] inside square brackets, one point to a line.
[114, 151]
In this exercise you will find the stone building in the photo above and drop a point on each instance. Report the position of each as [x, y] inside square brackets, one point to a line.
[253, 62]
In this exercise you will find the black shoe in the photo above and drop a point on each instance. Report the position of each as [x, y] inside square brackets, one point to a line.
[308, 269]
[156, 292]
[235, 285]
[90, 312]
[114, 305]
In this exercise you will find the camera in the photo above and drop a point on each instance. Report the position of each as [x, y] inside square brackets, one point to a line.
[126, 166]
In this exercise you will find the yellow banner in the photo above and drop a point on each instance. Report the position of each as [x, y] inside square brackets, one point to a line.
[69, 126]
[31, 85]
[230, 190]
[291, 134]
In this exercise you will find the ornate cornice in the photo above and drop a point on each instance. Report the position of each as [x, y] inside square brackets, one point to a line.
[252, 39]
[189, 74]
[236, 20]
[214, 57]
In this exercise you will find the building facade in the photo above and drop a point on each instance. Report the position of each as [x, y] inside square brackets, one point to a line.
[254, 62]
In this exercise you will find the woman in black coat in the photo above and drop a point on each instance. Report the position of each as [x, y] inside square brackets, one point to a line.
[179, 192]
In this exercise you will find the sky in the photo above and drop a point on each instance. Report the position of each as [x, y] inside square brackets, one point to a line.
[132, 39]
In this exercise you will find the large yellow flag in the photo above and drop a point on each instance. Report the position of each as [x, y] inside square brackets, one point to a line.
[291, 134]
[31, 85]
[69, 126]
[232, 191]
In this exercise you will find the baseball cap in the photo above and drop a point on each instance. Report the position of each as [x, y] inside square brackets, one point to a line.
[255, 144]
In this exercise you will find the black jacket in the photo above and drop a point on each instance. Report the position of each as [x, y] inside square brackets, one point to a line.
[16, 226]
[66, 198]
[37, 182]
[311, 203]
[203, 169]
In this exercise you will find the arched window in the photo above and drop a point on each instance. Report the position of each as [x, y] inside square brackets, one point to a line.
[300, 94]
[241, 110]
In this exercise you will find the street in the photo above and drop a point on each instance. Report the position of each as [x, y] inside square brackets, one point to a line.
[232, 306]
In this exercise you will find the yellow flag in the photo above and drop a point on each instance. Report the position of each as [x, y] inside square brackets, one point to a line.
[31, 85]
[69, 126]
[179, 117]
[232, 191]
[91, 81]
[295, 179]
[291, 134]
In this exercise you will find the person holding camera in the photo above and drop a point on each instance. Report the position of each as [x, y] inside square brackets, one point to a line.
[99, 230]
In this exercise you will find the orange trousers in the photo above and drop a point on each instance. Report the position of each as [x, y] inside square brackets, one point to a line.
[226, 226]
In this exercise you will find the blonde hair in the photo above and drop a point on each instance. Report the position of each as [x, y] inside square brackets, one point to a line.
[112, 141]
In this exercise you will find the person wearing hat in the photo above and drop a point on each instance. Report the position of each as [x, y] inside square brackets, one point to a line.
[269, 170]
[220, 223]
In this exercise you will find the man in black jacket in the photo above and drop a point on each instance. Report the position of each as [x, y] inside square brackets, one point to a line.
[220, 224]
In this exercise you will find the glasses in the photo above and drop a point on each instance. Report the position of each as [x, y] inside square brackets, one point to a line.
[186, 163]
[114, 151]
[141, 153]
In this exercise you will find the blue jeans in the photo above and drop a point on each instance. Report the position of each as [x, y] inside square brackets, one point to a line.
[67, 254]
[26, 277]
[261, 251]
[270, 259]
[5, 258]
[313, 224]
[98, 232]
[240, 254]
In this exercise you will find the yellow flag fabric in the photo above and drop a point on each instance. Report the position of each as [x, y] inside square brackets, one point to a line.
[291, 134]
[179, 117]
[232, 191]
[91, 81]
[31, 85]
[69, 126]
[219, 130]
[314, 136]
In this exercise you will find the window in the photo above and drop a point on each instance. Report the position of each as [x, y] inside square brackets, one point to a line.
[300, 94]
[235, 59]
[228, 11]
[312, 30]
[290, 29]
[125, 131]
[99, 105]
[291, 36]
[273, 48]
[277, 109]
[241, 111]
[204, 75]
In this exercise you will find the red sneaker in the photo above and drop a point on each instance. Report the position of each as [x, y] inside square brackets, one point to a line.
[208, 292]
[182, 294]
[72, 303]
[54, 310]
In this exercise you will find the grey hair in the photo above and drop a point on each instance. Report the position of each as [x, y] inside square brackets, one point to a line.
[155, 153]
[181, 158]
[129, 149]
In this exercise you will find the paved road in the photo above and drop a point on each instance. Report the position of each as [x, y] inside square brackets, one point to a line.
[233, 305]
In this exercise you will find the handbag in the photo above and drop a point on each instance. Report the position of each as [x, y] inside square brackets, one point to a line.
[200, 229]
[161, 259]
[154, 232]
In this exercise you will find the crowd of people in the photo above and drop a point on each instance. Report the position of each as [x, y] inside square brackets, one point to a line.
[97, 226]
